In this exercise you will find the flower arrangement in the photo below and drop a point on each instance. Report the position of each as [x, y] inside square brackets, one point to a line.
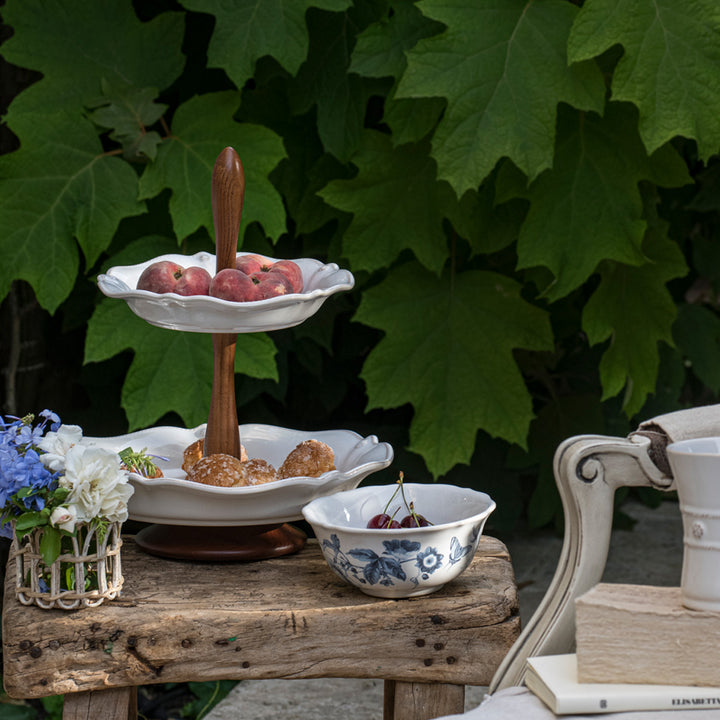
[61, 495]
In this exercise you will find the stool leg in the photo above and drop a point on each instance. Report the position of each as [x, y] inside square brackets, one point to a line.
[421, 701]
[114, 704]
[389, 700]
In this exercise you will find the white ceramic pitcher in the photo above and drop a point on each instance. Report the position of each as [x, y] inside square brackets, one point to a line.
[696, 467]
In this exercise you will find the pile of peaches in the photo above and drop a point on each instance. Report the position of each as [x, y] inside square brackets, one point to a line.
[253, 278]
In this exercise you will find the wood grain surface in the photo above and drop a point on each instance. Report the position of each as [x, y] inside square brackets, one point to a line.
[288, 617]
[421, 701]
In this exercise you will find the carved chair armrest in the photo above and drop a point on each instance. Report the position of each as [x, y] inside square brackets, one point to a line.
[588, 469]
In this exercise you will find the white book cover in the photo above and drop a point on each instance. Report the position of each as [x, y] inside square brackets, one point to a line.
[553, 678]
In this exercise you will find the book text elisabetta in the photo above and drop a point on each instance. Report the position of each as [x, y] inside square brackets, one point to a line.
[696, 701]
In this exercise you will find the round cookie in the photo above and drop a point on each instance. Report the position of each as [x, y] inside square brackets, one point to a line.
[311, 458]
[258, 472]
[194, 452]
[219, 469]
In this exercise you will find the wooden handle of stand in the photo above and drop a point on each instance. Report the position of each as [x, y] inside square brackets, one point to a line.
[221, 435]
[228, 194]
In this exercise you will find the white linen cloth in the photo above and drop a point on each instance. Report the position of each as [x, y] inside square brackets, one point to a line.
[675, 426]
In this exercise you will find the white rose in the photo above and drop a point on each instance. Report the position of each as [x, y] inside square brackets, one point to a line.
[64, 518]
[98, 486]
[56, 444]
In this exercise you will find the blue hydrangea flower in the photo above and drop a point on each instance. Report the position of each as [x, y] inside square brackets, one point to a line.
[20, 465]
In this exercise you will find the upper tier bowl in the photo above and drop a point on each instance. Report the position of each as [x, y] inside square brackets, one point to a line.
[202, 313]
[174, 500]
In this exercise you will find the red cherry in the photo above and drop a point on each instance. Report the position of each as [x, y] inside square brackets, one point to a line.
[380, 521]
[410, 521]
[383, 521]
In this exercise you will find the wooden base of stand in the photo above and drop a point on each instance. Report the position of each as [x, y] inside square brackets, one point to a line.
[219, 544]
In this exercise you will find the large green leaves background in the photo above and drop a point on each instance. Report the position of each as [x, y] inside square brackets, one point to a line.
[525, 190]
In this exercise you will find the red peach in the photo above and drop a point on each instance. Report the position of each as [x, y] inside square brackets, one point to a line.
[232, 284]
[194, 281]
[292, 271]
[160, 277]
[250, 264]
[271, 284]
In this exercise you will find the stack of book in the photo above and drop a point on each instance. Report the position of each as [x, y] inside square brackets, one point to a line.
[554, 679]
[638, 648]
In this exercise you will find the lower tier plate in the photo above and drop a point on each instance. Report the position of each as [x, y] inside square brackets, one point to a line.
[174, 500]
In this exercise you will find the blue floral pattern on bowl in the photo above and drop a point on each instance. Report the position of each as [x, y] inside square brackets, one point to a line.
[401, 561]
[405, 562]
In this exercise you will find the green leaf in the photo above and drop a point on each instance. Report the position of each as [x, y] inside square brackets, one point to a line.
[141, 249]
[560, 419]
[207, 696]
[29, 520]
[170, 371]
[591, 196]
[396, 204]
[381, 52]
[50, 545]
[72, 45]
[502, 65]
[448, 350]
[670, 67]
[633, 309]
[53, 705]
[17, 712]
[307, 167]
[128, 111]
[246, 30]
[299, 178]
[201, 128]
[697, 333]
[412, 119]
[381, 47]
[671, 379]
[323, 81]
[707, 198]
[58, 187]
[58, 495]
[487, 227]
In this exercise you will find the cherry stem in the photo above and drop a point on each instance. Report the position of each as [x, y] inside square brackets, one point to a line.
[410, 506]
[392, 517]
[402, 491]
[391, 499]
[414, 514]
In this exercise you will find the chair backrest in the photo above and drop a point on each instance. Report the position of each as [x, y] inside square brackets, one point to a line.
[588, 470]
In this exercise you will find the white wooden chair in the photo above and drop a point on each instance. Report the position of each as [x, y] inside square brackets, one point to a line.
[588, 470]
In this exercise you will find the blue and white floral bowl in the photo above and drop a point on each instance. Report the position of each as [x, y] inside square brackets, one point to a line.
[405, 562]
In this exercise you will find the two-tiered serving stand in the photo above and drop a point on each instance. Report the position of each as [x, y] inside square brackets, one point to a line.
[189, 520]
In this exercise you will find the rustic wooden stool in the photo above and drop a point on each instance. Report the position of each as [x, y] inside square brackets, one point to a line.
[287, 617]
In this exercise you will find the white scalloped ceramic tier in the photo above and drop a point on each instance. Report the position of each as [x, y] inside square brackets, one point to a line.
[201, 313]
[174, 500]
